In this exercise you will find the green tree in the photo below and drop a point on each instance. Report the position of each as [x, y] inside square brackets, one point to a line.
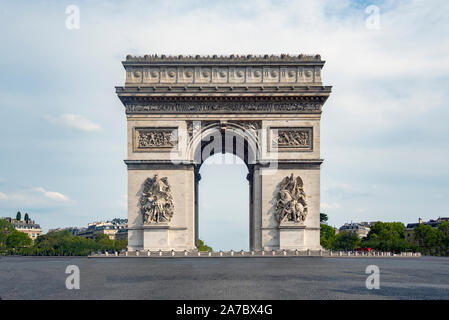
[18, 216]
[387, 236]
[62, 243]
[443, 232]
[346, 241]
[426, 238]
[203, 247]
[27, 217]
[327, 236]
[323, 218]
[17, 240]
[6, 229]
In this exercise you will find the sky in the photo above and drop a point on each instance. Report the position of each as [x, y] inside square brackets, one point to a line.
[384, 129]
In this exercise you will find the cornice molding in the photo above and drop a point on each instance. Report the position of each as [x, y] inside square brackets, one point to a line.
[219, 90]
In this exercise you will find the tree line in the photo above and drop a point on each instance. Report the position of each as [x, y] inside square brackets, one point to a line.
[390, 237]
[57, 243]
[383, 236]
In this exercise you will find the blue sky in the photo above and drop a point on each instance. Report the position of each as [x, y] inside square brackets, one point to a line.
[384, 128]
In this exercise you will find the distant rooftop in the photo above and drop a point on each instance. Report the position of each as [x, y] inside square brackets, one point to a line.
[24, 225]
[432, 223]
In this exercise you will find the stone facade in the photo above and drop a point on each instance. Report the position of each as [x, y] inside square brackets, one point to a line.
[32, 229]
[265, 109]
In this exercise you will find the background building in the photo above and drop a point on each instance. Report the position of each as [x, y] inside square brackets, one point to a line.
[32, 229]
[116, 229]
[433, 223]
[360, 228]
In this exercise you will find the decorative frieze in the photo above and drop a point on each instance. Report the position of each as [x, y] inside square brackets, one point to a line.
[291, 138]
[291, 204]
[225, 75]
[152, 139]
[224, 107]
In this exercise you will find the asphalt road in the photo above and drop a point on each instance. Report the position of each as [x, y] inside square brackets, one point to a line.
[224, 278]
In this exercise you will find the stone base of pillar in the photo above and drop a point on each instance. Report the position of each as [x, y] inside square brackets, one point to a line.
[291, 236]
[294, 236]
[156, 237]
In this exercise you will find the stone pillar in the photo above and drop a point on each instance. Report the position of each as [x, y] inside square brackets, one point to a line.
[178, 233]
[287, 235]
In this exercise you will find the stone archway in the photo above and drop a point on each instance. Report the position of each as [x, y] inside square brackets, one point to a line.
[239, 138]
[267, 110]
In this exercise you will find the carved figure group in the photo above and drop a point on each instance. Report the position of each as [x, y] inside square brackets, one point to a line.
[155, 139]
[156, 202]
[292, 138]
[291, 202]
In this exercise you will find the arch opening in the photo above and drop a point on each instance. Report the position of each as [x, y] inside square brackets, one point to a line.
[223, 203]
[229, 153]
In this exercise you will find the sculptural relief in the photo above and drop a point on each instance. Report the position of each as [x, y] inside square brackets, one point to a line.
[291, 202]
[151, 138]
[292, 138]
[156, 202]
[224, 107]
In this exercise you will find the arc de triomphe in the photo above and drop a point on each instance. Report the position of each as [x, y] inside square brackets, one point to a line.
[265, 109]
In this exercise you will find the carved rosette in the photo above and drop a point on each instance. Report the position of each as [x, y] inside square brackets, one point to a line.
[156, 201]
[291, 205]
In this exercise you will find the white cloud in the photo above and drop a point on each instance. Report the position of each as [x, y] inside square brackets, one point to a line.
[34, 198]
[52, 194]
[74, 121]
